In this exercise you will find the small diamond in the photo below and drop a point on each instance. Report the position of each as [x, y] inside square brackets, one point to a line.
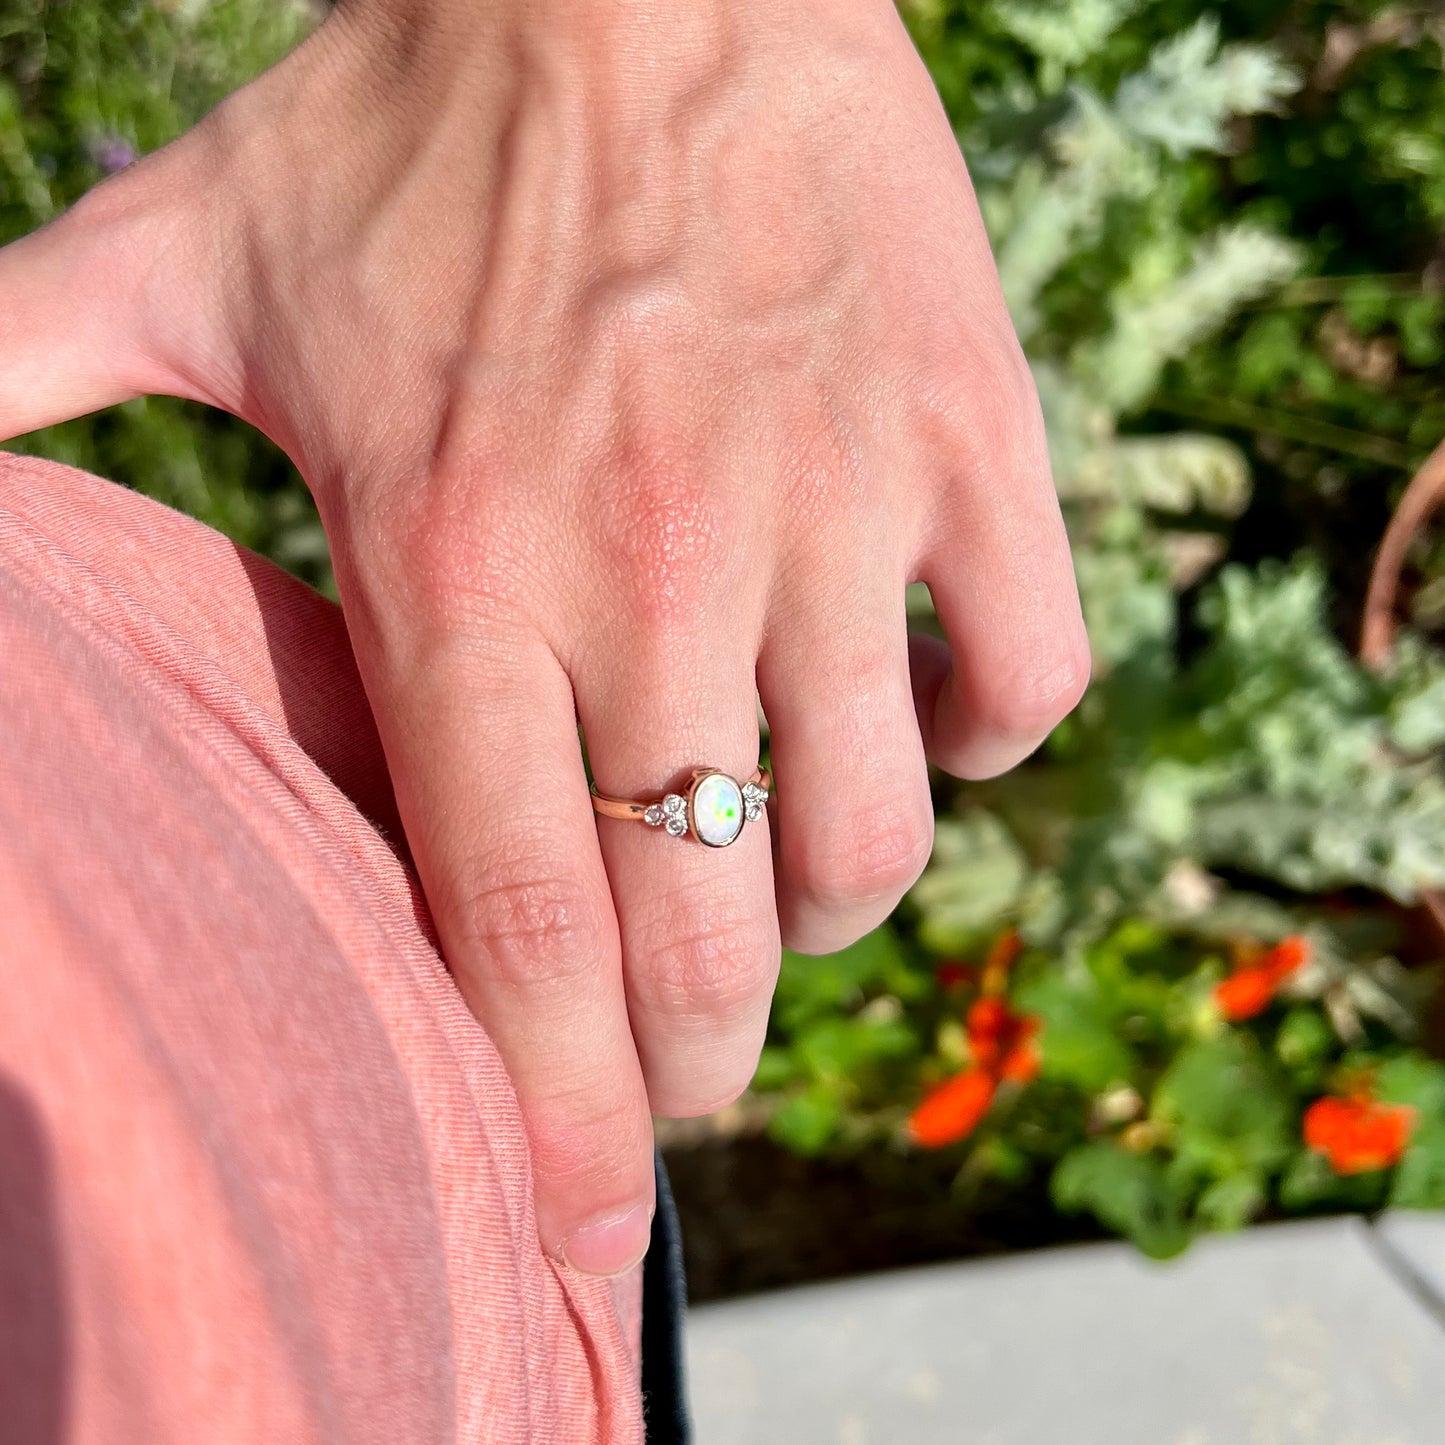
[754, 799]
[677, 825]
[674, 805]
[654, 815]
[752, 811]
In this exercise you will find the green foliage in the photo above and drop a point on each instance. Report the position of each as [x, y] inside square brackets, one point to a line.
[84, 86]
[1233, 775]
[1190, 90]
[1127, 1192]
[1419, 1182]
[848, 1036]
[1269, 751]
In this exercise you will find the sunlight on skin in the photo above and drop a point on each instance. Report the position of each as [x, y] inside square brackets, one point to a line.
[638, 357]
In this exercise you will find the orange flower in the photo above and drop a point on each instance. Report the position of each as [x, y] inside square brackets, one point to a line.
[1001, 1040]
[1358, 1134]
[1001, 957]
[953, 1110]
[1288, 955]
[1257, 978]
[1021, 1064]
[1244, 994]
[1003, 1047]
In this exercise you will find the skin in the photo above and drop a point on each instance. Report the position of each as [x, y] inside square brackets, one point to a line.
[637, 355]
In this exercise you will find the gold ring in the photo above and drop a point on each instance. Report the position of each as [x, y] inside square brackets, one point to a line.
[713, 806]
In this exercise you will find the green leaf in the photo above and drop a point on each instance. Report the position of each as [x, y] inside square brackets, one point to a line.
[1419, 1181]
[1081, 1043]
[807, 1122]
[775, 1070]
[810, 985]
[1191, 88]
[1411, 1079]
[1126, 1192]
[1232, 1112]
[1305, 1042]
[1310, 1184]
[1231, 1203]
[837, 1049]
[974, 879]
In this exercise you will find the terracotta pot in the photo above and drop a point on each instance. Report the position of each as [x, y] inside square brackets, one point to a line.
[1423, 497]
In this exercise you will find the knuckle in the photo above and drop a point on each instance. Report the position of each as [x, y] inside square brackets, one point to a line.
[532, 928]
[873, 853]
[717, 956]
[438, 542]
[432, 549]
[982, 405]
[1027, 702]
[431, 558]
[585, 1138]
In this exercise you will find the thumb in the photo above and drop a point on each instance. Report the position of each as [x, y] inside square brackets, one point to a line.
[106, 303]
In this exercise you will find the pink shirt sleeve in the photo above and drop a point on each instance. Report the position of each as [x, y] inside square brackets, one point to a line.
[262, 1176]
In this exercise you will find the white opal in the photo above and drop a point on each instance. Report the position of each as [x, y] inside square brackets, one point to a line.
[717, 810]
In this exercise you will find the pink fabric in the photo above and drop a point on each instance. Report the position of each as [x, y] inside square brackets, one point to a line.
[262, 1177]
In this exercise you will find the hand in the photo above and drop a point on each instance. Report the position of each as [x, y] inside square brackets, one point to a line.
[637, 355]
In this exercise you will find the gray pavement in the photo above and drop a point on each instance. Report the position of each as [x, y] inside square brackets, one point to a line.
[1327, 1332]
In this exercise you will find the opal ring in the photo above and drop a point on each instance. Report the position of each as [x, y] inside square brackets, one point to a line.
[712, 807]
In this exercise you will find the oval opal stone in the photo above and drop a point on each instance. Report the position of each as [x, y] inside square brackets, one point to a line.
[717, 810]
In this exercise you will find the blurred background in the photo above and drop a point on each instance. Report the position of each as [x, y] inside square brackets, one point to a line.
[1180, 972]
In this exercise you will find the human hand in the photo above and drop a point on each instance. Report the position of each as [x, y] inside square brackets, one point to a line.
[637, 356]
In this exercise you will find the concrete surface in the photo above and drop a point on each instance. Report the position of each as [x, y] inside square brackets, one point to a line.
[1415, 1243]
[1315, 1333]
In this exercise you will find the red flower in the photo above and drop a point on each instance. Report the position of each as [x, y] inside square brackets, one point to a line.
[1001, 1040]
[988, 1018]
[953, 1110]
[1256, 979]
[1358, 1134]
[1003, 1046]
[954, 973]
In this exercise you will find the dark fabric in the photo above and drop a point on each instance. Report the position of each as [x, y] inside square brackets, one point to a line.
[664, 1305]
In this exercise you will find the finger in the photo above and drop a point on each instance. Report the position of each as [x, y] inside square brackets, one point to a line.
[700, 950]
[1002, 581]
[855, 820]
[481, 736]
[79, 308]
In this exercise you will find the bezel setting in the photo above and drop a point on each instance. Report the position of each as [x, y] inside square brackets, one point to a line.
[676, 813]
[700, 780]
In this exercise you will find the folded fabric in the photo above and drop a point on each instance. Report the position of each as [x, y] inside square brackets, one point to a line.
[262, 1176]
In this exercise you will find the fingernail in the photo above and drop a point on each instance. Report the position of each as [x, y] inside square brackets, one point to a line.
[610, 1243]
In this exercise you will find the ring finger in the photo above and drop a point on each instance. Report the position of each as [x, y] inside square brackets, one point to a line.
[698, 924]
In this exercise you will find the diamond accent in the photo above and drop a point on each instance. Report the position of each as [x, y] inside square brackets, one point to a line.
[655, 816]
[754, 800]
[674, 805]
[676, 825]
